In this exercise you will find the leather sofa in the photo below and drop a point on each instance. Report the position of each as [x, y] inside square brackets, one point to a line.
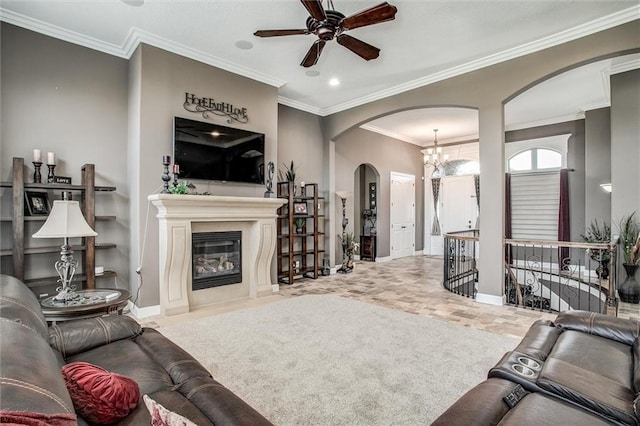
[33, 354]
[583, 368]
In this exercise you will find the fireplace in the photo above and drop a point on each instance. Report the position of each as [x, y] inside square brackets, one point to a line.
[180, 217]
[216, 259]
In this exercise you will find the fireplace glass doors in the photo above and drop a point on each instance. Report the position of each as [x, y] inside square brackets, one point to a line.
[217, 259]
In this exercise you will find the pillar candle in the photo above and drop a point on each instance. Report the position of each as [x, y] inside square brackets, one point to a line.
[176, 168]
[51, 158]
[166, 159]
[37, 155]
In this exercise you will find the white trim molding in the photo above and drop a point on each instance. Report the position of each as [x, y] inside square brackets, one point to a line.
[490, 299]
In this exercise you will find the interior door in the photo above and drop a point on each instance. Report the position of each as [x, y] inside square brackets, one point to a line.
[403, 214]
[458, 204]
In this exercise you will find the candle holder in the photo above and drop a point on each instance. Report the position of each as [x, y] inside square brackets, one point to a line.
[270, 169]
[51, 176]
[166, 160]
[37, 177]
[175, 177]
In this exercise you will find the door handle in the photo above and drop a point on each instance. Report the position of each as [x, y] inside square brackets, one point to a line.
[403, 227]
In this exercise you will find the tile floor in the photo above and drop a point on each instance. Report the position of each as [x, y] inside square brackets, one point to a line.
[413, 285]
[410, 284]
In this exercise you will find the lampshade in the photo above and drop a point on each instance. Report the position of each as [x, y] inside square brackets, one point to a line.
[65, 221]
[343, 194]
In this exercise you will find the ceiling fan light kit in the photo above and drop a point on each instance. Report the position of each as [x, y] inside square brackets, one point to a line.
[327, 24]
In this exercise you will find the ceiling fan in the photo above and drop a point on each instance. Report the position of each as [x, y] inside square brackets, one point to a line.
[329, 24]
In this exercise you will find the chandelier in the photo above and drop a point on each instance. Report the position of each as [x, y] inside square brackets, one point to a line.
[433, 155]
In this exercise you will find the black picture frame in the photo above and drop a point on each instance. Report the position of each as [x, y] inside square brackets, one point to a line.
[36, 203]
[300, 208]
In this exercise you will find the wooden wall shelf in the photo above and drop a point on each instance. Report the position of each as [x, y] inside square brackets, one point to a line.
[299, 253]
[87, 190]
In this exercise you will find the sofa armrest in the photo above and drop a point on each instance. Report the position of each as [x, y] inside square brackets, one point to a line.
[612, 328]
[539, 340]
[482, 405]
[73, 337]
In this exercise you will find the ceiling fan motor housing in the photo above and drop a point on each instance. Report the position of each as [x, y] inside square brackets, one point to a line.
[326, 29]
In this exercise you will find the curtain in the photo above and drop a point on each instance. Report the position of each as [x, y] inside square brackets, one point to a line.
[435, 186]
[476, 181]
[507, 215]
[563, 219]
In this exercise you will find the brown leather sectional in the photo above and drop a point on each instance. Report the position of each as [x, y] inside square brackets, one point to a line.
[32, 355]
[581, 369]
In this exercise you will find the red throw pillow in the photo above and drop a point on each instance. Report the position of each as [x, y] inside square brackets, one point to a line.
[29, 418]
[99, 396]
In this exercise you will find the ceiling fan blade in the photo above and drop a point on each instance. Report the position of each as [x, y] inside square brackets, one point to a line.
[315, 9]
[380, 13]
[276, 33]
[313, 54]
[359, 47]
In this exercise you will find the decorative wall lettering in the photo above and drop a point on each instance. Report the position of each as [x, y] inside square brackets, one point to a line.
[207, 106]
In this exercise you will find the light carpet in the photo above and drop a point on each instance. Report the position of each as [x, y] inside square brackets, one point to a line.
[327, 360]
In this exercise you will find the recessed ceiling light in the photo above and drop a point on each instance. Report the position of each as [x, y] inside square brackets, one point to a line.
[334, 82]
[312, 73]
[244, 44]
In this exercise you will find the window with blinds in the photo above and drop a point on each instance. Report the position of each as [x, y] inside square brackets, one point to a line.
[535, 201]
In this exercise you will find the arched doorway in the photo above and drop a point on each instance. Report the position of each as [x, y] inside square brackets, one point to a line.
[366, 184]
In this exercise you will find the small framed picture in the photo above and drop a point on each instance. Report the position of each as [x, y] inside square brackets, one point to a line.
[37, 203]
[300, 208]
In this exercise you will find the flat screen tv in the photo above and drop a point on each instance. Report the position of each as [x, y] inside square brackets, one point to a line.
[212, 152]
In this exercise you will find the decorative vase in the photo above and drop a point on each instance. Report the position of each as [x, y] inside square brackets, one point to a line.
[629, 290]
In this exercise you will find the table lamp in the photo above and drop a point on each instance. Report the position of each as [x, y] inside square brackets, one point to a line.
[65, 221]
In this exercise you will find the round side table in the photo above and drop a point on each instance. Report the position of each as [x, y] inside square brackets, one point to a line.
[88, 304]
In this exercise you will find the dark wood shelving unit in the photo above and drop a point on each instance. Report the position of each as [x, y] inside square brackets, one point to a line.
[87, 190]
[303, 247]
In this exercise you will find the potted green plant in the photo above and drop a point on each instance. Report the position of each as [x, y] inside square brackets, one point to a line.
[298, 222]
[599, 232]
[288, 174]
[629, 234]
[181, 188]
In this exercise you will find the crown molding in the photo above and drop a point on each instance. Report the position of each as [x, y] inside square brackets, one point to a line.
[624, 67]
[42, 27]
[299, 105]
[545, 122]
[137, 36]
[393, 135]
[597, 25]
[131, 43]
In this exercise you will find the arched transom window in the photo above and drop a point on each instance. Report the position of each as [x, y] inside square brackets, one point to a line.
[535, 159]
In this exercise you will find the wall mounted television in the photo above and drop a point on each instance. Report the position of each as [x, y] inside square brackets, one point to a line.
[209, 151]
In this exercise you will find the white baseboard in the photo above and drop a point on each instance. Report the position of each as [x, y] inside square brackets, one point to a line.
[490, 299]
[418, 253]
[145, 312]
[275, 288]
[383, 259]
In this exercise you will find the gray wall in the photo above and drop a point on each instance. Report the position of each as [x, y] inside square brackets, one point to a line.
[625, 150]
[385, 155]
[625, 144]
[70, 100]
[163, 78]
[300, 139]
[597, 165]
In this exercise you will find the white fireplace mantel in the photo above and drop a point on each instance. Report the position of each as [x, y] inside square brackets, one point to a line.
[177, 215]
